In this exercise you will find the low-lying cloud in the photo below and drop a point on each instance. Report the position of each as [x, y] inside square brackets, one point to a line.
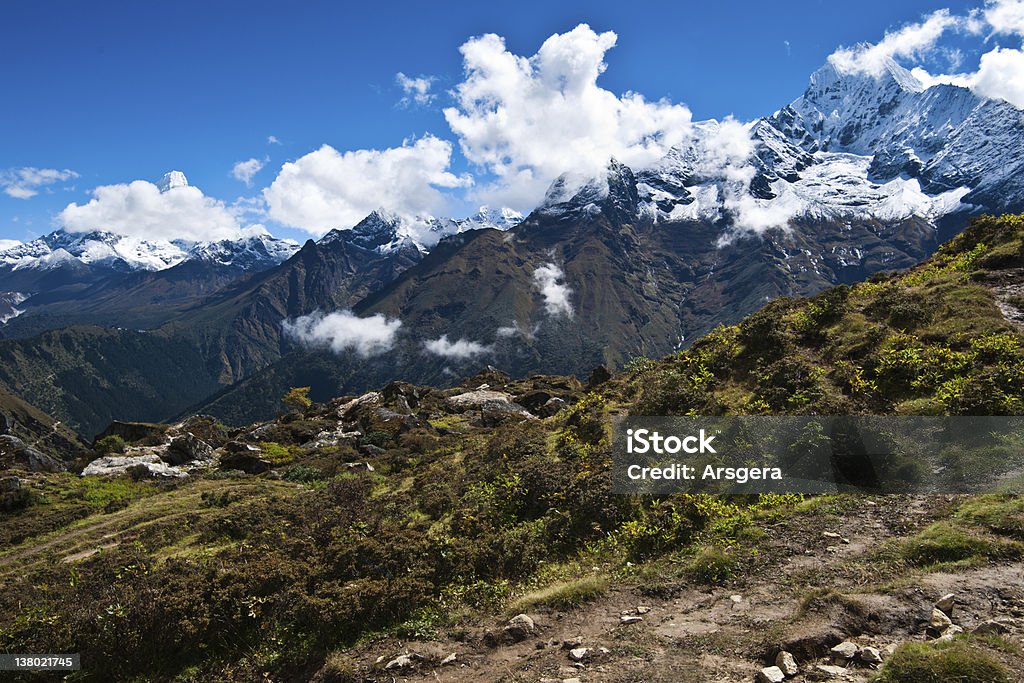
[343, 331]
[549, 279]
[460, 349]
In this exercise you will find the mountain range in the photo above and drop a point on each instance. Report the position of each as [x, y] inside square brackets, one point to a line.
[860, 174]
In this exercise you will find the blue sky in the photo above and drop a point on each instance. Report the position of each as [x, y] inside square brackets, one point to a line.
[119, 91]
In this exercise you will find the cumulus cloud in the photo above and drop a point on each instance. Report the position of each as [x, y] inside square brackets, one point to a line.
[517, 330]
[549, 279]
[461, 349]
[417, 90]
[1005, 16]
[911, 41]
[139, 209]
[244, 171]
[25, 182]
[329, 189]
[529, 119]
[344, 331]
[1000, 75]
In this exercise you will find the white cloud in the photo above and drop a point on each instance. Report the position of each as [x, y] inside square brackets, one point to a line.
[25, 182]
[529, 119]
[911, 41]
[549, 279]
[417, 90]
[1005, 16]
[344, 331]
[515, 329]
[272, 140]
[1000, 75]
[244, 171]
[9, 244]
[139, 209]
[463, 348]
[329, 189]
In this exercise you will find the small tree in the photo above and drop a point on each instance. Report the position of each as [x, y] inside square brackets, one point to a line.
[297, 399]
[110, 444]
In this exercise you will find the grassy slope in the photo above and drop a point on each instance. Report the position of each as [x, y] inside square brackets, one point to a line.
[224, 578]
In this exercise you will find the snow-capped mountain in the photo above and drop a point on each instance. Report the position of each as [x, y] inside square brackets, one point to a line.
[384, 231]
[171, 180]
[251, 252]
[853, 146]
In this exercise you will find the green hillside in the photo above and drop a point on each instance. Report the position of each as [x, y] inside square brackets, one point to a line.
[321, 568]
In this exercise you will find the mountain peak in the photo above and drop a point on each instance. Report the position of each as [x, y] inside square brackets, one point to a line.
[613, 190]
[172, 180]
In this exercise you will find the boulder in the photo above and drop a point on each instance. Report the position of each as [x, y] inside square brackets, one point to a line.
[554, 407]
[495, 412]
[787, 664]
[117, 465]
[245, 462]
[371, 398]
[533, 400]
[828, 671]
[630, 620]
[490, 375]
[579, 654]
[991, 627]
[474, 400]
[5, 424]
[870, 655]
[142, 433]
[187, 448]
[598, 376]
[770, 674]
[945, 604]
[939, 621]
[401, 662]
[844, 652]
[520, 627]
[28, 457]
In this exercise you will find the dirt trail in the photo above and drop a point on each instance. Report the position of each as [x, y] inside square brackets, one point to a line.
[728, 634]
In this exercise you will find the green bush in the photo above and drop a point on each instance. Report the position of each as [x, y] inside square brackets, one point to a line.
[109, 445]
[956, 661]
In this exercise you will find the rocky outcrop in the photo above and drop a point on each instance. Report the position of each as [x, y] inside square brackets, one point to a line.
[117, 465]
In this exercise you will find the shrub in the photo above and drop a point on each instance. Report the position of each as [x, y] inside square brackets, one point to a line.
[956, 660]
[110, 444]
[564, 595]
[712, 565]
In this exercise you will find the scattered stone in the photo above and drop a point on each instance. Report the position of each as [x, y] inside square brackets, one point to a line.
[371, 398]
[471, 400]
[630, 619]
[830, 534]
[8, 484]
[642, 609]
[950, 632]
[571, 680]
[945, 603]
[870, 655]
[787, 664]
[450, 659]
[830, 671]
[844, 652]
[579, 654]
[736, 598]
[359, 466]
[770, 674]
[117, 465]
[570, 643]
[990, 627]
[553, 407]
[400, 662]
[520, 627]
[939, 622]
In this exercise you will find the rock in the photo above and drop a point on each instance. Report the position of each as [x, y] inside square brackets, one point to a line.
[533, 400]
[553, 407]
[520, 627]
[371, 450]
[990, 627]
[770, 674]
[642, 609]
[571, 680]
[187, 448]
[844, 652]
[143, 433]
[870, 655]
[493, 413]
[598, 376]
[359, 466]
[245, 462]
[490, 376]
[830, 534]
[5, 424]
[27, 456]
[829, 671]
[371, 398]
[240, 447]
[737, 599]
[951, 631]
[939, 622]
[9, 484]
[579, 654]
[945, 603]
[570, 643]
[471, 400]
[450, 659]
[400, 662]
[787, 664]
[630, 620]
[116, 465]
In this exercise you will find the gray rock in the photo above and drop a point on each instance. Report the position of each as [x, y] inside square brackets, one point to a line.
[945, 603]
[870, 655]
[630, 619]
[27, 456]
[400, 662]
[951, 631]
[9, 484]
[520, 627]
[579, 654]
[117, 465]
[829, 671]
[450, 659]
[770, 674]
[187, 448]
[939, 621]
[844, 652]
[494, 412]
[990, 627]
[553, 407]
[471, 400]
[787, 663]
[244, 462]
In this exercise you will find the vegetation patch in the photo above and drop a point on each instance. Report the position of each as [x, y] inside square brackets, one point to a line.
[956, 661]
[564, 595]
